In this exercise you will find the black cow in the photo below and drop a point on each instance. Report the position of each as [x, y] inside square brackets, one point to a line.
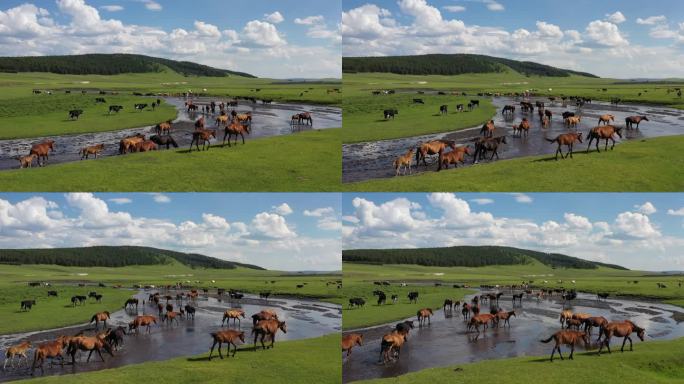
[459, 108]
[475, 102]
[78, 300]
[75, 113]
[52, 293]
[443, 109]
[356, 302]
[390, 113]
[382, 298]
[140, 107]
[413, 297]
[100, 100]
[27, 304]
[418, 101]
[115, 108]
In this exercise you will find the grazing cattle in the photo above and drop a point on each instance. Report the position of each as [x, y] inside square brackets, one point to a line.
[631, 120]
[454, 157]
[459, 108]
[75, 113]
[620, 329]
[202, 135]
[26, 161]
[49, 350]
[229, 337]
[356, 302]
[443, 109]
[52, 293]
[100, 316]
[140, 107]
[350, 340]
[475, 103]
[133, 302]
[267, 328]
[80, 300]
[387, 113]
[572, 121]
[568, 338]
[413, 297]
[390, 346]
[607, 118]
[382, 298]
[100, 100]
[567, 139]
[91, 150]
[423, 314]
[418, 101]
[403, 162]
[233, 314]
[488, 129]
[42, 150]
[164, 140]
[115, 108]
[26, 305]
[486, 144]
[434, 147]
[522, 129]
[604, 132]
[16, 351]
[142, 321]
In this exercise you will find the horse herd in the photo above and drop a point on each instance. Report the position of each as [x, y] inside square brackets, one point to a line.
[575, 327]
[265, 326]
[487, 144]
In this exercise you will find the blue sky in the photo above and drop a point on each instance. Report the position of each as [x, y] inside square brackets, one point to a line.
[584, 35]
[640, 231]
[277, 231]
[270, 39]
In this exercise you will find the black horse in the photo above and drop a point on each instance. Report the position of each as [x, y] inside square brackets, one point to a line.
[164, 140]
[116, 337]
[486, 144]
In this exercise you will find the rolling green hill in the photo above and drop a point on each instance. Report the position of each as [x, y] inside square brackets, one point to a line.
[467, 256]
[454, 64]
[109, 64]
[113, 256]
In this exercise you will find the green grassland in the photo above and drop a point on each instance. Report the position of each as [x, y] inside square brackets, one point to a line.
[308, 161]
[36, 116]
[635, 166]
[652, 362]
[362, 110]
[364, 120]
[359, 278]
[315, 360]
[55, 312]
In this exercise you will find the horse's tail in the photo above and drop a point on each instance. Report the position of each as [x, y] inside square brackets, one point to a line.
[549, 140]
[547, 340]
[418, 153]
[94, 318]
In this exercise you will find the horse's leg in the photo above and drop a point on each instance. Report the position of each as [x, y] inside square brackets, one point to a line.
[243, 138]
[263, 335]
[224, 138]
[623, 343]
[572, 350]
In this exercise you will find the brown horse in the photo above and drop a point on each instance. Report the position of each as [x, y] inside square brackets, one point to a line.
[594, 321]
[170, 316]
[268, 328]
[246, 118]
[306, 118]
[423, 314]
[51, 350]
[162, 128]
[26, 161]
[505, 316]
[434, 147]
[146, 146]
[545, 122]
[91, 150]
[573, 323]
[567, 139]
[391, 342]
[140, 321]
[568, 338]
[130, 143]
[620, 329]
[488, 129]
[605, 132]
[523, 128]
[350, 340]
[631, 120]
[607, 118]
[199, 124]
[234, 314]
[565, 315]
[572, 121]
[100, 316]
[222, 120]
[482, 319]
[88, 343]
[453, 157]
[41, 150]
[403, 161]
[235, 128]
[581, 316]
[203, 135]
[229, 337]
[19, 351]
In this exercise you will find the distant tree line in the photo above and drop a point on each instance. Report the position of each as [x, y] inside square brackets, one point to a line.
[105, 256]
[108, 64]
[467, 256]
[454, 64]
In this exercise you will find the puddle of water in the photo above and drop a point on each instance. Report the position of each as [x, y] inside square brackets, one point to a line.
[269, 120]
[373, 160]
[445, 341]
[305, 319]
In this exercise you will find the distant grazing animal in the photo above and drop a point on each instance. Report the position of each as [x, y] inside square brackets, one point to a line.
[229, 337]
[602, 295]
[100, 100]
[568, 114]
[508, 109]
[190, 310]
[568, 338]
[403, 162]
[594, 321]
[140, 107]
[356, 302]
[350, 340]
[78, 300]
[413, 297]
[459, 107]
[631, 120]
[305, 118]
[233, 314]
[567, 139]
[75, 113]
[480, 319]
[573, 323]
[115, 108]
[505, 316]
[604, 132]
[52, 293]
[475, 102]
[418, 101]
[91, 150]
[443, 109]
[387, 113]
[607, 118]
[26, 305]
